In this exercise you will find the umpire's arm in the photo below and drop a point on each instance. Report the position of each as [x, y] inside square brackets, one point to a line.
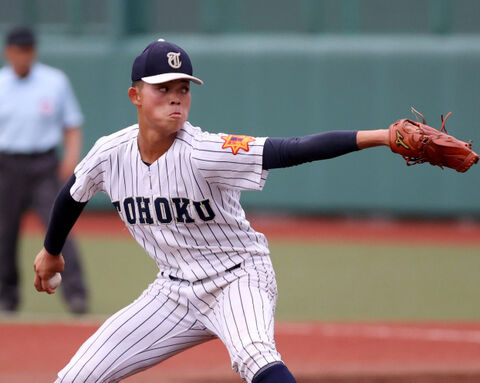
[64, 214]
[72, 143]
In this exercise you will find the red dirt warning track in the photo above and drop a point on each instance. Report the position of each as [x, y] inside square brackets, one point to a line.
[315, 352]
[312, 229]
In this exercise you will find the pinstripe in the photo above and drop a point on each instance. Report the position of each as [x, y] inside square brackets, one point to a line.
[203, 196]
[166, 241]
[110, 349]
[238, 178]
[236, 322]
[223, 218]
[141, 237]
[103, 329]
[173, 235]
[237, 305]
[225, 326]
[110, 191]
[138, 171]
[95, 186]
[75, 189]
[246, 316]
[229, 208]
[99, 146]
[193, 237]
[181, 236]
[160, 231]
[200, 192]
[233, 203]
[204, 316]
[200, 230]
[177, 347]
[95, 167]
[229, 226]
[157, 259]
[231, 171]
[162, 346]
[131, 369]
[255, 310]
[230, 185]
[124, 181]
[216, 161]
[131, 345]
[159, 177]
[110, 148]
[265, 327]
[131, 163]
[209, 292]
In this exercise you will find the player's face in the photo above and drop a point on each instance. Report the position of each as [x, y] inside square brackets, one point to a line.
[166, 105]
[20, 58]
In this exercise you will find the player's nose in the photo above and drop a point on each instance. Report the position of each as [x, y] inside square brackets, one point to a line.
[175, 100]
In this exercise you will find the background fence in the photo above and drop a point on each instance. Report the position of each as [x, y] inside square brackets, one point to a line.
[283, 68]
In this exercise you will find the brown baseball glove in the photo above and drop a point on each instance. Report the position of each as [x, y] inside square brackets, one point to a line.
[417, 143]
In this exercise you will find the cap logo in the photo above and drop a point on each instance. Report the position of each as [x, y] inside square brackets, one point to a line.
[174, 60]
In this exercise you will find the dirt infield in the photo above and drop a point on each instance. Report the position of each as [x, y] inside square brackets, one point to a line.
[315, 352]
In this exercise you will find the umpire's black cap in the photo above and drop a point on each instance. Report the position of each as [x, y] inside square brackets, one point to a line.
[20, 36]
[162, 62]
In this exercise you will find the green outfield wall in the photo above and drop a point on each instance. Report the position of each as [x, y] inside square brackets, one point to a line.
[117, 18]
[289, 67]
[284, 85]
[289, 84]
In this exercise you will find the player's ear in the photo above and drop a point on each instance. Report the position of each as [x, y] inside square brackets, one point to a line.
[134, 95]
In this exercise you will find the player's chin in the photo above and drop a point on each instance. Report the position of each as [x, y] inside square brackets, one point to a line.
[177, 119]
[171, 125]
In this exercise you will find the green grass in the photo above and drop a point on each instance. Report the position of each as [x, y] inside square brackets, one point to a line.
[316, 281]
[117, 271]
[351, 282]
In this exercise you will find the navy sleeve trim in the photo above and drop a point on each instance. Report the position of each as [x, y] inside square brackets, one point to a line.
[285, 152]
[65, 213]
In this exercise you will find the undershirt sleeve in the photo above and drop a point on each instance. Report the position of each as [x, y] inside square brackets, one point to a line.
[285, 152]
[65, 213]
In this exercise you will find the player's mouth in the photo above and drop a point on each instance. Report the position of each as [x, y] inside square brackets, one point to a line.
[176, 114]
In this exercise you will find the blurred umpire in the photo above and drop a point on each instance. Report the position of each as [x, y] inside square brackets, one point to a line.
[38, 111]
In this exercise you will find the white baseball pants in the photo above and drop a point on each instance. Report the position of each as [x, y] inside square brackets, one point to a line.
[170, 316]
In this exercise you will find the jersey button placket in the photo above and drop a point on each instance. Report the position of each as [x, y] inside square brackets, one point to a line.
[148, 180]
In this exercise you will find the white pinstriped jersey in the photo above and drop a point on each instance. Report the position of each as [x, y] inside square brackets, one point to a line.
[184, 208]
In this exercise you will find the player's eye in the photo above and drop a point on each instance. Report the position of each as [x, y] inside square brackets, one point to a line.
[185, 89]
[162, 88]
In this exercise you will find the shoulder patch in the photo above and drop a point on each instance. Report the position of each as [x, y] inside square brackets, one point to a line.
[236, 142]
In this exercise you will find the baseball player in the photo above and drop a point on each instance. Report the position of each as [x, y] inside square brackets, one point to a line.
[177, 189]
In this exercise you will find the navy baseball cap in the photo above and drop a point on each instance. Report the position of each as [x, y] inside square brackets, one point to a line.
[20, 36]
[162, 62]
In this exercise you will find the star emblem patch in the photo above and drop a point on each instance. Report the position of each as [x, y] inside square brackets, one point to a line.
[236, 143]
